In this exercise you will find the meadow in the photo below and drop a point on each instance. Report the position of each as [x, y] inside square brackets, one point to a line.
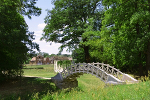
[89, 88]
[39, 70]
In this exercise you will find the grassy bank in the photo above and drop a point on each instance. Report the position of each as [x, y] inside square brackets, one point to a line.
[39, 70]
[89, 88]
[25, 89]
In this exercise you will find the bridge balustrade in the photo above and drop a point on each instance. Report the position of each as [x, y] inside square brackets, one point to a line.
[109, 69]
[85, 68]
[108, 74]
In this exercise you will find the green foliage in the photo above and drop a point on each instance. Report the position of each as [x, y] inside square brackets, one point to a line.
[66, 22]
[44, 54]
[110, 31]
[128, 34]
[60, 63]
[98, 49]
[51, 55]
[64, 63]
[15, 39]
[78, 54]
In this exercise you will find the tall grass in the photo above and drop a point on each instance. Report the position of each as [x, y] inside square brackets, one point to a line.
[89, 88]
[93, 89]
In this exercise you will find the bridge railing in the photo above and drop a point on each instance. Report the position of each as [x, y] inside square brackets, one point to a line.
[103, 71]
[85, 68]
[110, 70]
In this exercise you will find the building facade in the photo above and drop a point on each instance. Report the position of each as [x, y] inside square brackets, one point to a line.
[40, 60]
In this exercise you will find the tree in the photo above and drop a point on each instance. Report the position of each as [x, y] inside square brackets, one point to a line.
[126, 24]
[97, 49]
[44, 54]
[78, 55]
[66, 22]
[15, 39]
[52, 55]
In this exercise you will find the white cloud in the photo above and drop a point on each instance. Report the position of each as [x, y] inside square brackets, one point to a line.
[39, 32]
[41, 26]
[37, 40]
[51, 49]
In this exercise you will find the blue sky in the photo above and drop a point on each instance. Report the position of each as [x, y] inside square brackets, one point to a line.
[36, 25]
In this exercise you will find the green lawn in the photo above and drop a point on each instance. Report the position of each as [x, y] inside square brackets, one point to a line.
[89, 88]
[39, 70]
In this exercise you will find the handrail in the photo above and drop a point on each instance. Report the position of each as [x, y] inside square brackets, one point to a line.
[105, 72]
[110, 70]
[86, 68]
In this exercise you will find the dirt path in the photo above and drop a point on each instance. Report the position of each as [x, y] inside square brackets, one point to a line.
[37, 77]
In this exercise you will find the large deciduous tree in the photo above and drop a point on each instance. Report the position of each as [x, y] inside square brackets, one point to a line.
[15, 39]
[66, 22]
[126, 24]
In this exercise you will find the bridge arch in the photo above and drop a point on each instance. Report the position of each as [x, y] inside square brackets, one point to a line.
[104, 72]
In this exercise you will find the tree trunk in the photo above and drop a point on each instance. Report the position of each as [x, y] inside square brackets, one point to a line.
[140, 65]
[148, 51]
[86, 52]
[148, 59]
[87, 55]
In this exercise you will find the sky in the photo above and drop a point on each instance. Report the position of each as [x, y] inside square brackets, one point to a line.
[36, 25]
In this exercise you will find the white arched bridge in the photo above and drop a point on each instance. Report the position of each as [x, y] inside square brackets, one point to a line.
[108, 74]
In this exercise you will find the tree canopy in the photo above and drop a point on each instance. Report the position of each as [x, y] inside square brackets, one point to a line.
[110, 31]
[15, 39]
[126, 25]
[66, 22]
